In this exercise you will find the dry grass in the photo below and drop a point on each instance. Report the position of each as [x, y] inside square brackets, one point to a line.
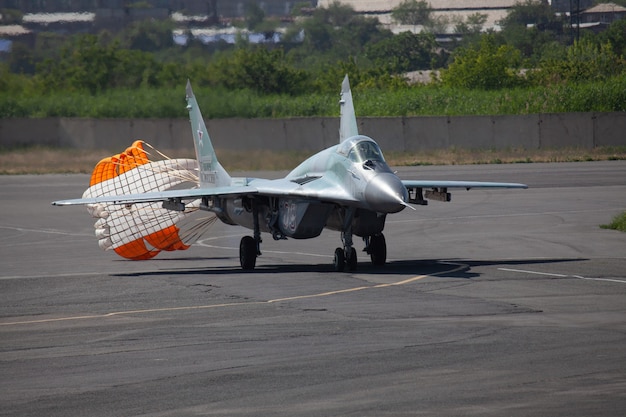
[40, 160]
[455, 156]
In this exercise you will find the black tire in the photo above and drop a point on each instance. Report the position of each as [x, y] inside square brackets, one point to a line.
[351, 261]
[247, 253]
[340, 260]
[378, 249]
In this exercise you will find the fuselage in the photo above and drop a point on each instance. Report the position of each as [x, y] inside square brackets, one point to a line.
[350, 176]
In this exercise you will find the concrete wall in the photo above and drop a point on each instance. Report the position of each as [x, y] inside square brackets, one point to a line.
[411, 134]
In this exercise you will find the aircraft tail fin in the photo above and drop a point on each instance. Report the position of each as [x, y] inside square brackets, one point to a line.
[347, 122]
[211, 174]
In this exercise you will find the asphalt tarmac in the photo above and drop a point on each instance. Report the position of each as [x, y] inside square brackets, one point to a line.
[499, 303]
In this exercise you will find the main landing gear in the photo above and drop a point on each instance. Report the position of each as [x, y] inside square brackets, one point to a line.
[248, 251]
[375, 246]
[250, 247]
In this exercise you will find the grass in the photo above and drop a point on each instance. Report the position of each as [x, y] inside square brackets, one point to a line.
[46, 160]
[618, 223]
[430, 100]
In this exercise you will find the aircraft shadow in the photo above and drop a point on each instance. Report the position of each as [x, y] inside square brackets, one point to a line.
[448, 268]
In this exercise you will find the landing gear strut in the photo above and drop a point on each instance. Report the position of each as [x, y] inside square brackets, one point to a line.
[346, 256]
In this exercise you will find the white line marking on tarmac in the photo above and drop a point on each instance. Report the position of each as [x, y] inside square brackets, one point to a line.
[496, 215]
[524, 271]
[47, 231]
[206, 245]
[73, 274]
[204, 307]
[621, 281]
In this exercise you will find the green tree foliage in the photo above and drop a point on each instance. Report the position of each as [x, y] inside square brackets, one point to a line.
[529, 12]
[530, 26]
[334, 34]
[63, 75]
[377, 78]
[404, 52]
[488, 66]
[259, 69]
[148, 35]
[584, 61]
[615, 35]
[472, 25]
[87, 64]
[11, 16]
[254, 15]
[22, 59]
[412, 12]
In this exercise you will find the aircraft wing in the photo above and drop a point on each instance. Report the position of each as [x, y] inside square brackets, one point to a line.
[460, 184]
[187, 194]
[314, 188]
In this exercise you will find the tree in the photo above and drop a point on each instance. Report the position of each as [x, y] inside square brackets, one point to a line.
[259, 69]
[584, 61]
[412, 12]
[486, 66]
[320, 30]
[616, 36]
[148, 35]
[530, 12]
[254, 15]
[472, 25]
[21, 59]
[529, 26]
[87, 63]
[334, 34]
[404, 52]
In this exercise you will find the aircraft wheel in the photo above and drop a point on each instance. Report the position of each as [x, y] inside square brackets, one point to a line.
[351, 261]
[340, 260]
[378, 249]
[247, 253]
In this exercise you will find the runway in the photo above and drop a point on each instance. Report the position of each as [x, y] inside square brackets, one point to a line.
[500, 302]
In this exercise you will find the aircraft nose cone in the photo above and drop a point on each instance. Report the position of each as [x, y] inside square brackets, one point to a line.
[386, 194]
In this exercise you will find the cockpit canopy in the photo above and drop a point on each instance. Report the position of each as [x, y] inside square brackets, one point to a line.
[360, 149]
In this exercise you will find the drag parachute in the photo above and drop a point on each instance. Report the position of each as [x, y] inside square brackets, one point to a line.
[142, 230]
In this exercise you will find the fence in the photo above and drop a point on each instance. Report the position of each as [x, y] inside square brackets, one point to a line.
[414, 134]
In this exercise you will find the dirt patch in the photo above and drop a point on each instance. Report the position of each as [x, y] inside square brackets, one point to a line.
[41, 160]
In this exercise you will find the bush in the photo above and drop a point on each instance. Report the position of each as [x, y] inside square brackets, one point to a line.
[618, 223]
[486, 67]
[259, 69]
[584, 61]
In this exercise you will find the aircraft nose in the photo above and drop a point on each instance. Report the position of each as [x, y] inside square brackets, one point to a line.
[386, 194]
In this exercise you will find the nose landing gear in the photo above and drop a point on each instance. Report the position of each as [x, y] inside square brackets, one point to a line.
[345, 257]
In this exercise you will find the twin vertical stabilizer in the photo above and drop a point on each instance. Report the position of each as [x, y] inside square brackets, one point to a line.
[211, 174]
[347, 122]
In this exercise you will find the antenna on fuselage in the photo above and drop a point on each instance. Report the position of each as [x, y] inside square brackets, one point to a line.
[347, 121]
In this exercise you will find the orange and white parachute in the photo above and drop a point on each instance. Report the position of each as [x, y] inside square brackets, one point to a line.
[142, 230]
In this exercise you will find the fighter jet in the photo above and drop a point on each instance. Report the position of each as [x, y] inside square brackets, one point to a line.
[348, 188]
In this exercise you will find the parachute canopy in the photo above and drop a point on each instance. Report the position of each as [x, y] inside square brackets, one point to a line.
[140, 231]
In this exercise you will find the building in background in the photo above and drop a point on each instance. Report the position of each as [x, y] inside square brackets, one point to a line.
[23, 19]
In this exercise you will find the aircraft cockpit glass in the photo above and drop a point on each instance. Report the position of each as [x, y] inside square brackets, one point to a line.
[361, 149]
